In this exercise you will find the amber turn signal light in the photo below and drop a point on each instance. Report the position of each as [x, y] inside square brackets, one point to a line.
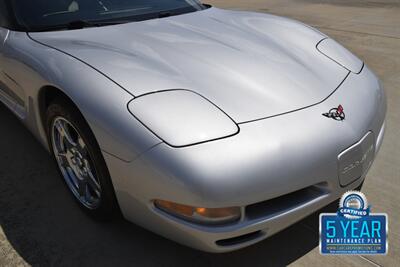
[200, 214]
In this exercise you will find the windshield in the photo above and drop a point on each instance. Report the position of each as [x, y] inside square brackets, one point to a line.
[45, 14]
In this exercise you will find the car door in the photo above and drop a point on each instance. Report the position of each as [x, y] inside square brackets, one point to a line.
[11, 93]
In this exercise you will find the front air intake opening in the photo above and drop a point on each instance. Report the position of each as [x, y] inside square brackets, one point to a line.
[286, 202]
[240, 239]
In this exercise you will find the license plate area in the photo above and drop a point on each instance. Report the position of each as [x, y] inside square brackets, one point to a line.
[355, 161]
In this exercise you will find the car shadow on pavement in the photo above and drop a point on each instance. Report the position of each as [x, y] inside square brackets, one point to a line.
[45, 227]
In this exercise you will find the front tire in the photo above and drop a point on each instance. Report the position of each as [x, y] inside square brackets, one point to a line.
[79, 160]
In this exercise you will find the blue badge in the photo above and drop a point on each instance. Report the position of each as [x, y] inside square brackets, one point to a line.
[353, 229]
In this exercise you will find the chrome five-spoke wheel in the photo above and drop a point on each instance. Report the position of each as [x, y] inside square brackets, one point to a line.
[75, 163]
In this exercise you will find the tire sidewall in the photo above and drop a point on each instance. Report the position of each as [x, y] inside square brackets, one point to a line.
[108, 206]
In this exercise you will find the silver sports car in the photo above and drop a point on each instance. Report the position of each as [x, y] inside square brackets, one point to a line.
[214, 128]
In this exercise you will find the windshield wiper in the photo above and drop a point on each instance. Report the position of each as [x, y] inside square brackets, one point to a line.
[165, 14]
[79, 24]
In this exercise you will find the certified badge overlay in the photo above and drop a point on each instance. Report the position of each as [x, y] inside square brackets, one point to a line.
[353, 229]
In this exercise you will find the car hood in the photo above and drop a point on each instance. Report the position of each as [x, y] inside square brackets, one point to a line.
[250, 65]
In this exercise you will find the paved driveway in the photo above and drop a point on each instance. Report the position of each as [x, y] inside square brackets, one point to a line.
[41, 225]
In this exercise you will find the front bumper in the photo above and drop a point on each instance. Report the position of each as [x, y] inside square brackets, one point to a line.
[279, 170]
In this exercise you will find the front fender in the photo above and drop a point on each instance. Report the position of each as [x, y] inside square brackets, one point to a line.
[102, 102]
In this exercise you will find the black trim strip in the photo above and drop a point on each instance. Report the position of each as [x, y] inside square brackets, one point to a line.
[14, 97]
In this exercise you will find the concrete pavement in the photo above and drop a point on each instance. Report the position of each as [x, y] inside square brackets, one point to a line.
[41, 225]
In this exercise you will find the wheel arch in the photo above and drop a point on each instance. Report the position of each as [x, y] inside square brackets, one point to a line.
[47, 94]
